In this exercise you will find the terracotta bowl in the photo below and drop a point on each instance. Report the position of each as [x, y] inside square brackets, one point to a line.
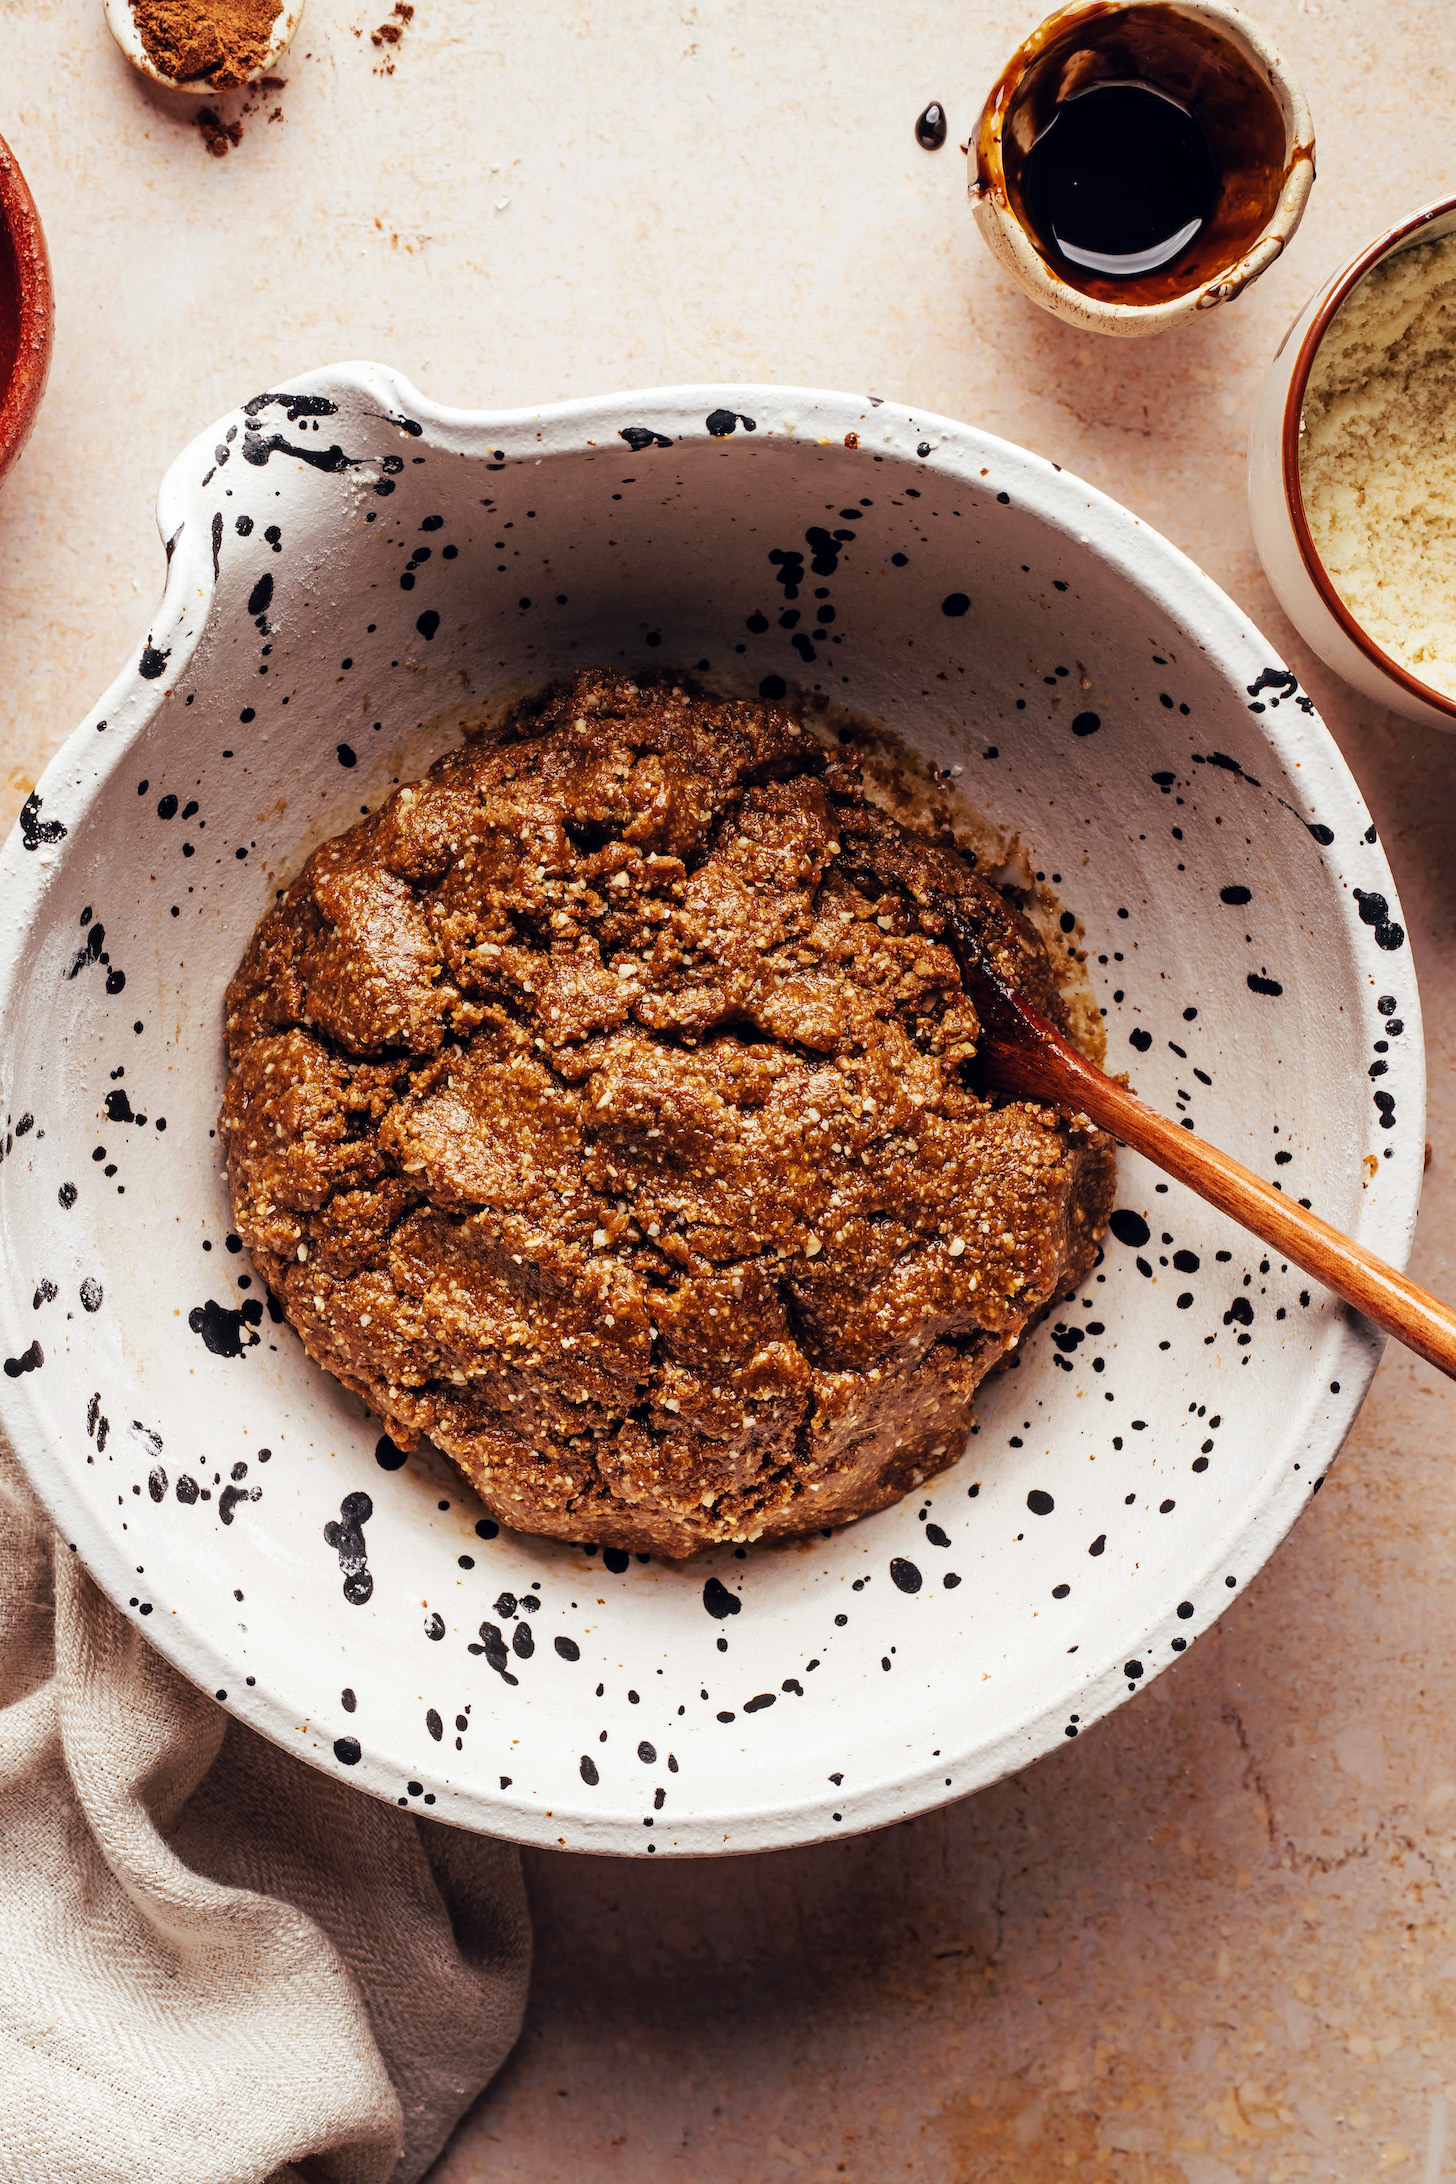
[1276, 493]
[27, 310]
[351, 570]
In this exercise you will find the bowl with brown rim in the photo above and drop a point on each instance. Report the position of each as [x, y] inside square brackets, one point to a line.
[1206, 56]
[27, 310]
[1277, 510]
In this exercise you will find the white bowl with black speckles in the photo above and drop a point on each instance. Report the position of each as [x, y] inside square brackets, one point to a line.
[349, 566]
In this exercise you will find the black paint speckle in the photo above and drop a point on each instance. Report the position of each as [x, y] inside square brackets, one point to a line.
[346, 1535]
[1375, 912]
[222, 1329]
[232, 1497]
[493, 1646]
[33, 829]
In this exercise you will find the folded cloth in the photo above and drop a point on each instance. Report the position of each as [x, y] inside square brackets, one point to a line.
[216, 1963]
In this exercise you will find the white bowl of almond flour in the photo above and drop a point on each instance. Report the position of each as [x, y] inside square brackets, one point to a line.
[1352, 470]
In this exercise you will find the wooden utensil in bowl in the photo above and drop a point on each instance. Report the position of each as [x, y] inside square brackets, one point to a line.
[1021, 1052]
[27, 310]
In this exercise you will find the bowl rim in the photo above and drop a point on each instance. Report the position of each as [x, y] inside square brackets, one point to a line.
[1341, 1363]
[20, 398]
[1015, 247]
[1332, 297]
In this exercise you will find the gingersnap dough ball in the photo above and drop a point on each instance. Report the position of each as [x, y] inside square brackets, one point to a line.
[599, 1108]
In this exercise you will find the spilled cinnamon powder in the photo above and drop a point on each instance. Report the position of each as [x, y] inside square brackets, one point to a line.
[389, 34]
[223, 40]
[218, 134]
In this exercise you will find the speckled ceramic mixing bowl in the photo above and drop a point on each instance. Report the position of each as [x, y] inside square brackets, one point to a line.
[349, 566]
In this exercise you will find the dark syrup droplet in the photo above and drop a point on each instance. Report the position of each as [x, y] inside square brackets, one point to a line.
[1121, 181]
[930, 127]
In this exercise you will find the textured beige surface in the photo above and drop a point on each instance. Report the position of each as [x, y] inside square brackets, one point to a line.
[1216, 1937]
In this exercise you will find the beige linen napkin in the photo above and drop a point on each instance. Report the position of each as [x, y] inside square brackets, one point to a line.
[216, 1963]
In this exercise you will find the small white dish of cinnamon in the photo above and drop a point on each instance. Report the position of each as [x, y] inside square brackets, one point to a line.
[203, 46]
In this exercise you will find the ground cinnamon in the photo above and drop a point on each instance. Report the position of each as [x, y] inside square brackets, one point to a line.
[389, 34]
[218, 134]
[223, 40]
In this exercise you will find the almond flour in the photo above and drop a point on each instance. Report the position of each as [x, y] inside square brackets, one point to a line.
[1378, 458]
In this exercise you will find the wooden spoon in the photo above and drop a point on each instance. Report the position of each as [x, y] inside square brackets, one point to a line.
[1021, 1052]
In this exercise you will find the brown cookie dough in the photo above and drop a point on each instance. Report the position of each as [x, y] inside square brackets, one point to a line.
[597, 1107]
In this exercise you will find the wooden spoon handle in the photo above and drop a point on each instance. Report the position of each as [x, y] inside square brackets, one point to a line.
[1054, 1070]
